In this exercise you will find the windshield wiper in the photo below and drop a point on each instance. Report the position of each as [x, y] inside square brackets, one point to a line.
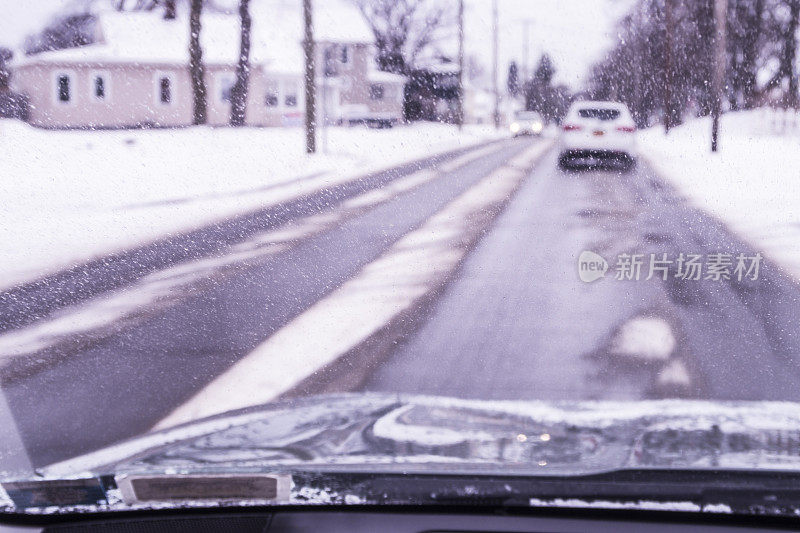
[733, 491]
[730, 491]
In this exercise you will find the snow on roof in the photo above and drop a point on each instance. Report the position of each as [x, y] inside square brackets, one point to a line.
[334, 20]
[278, 29]
[277, 32]
[145, 37]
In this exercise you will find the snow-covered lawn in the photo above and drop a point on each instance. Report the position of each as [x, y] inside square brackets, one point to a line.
[752, 183]
[69, 196]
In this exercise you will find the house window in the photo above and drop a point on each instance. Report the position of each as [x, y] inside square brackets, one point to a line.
[345, 54]
[290, 95]
[99, 87]
[226, 84]
[271, 98]
[164, 90]
[376, 91]
[329, 61]
[63, 88]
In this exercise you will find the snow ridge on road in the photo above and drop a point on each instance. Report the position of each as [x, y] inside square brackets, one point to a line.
[75, 196]
[415, 265]
[27, 303]
[111, 311]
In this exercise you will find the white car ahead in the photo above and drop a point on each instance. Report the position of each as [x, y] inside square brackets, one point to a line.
[595, 133]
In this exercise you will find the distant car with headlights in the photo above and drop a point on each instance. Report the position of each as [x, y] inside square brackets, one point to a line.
[527, 123]
[594, 134]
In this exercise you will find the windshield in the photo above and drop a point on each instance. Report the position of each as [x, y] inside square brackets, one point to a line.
[478, 236]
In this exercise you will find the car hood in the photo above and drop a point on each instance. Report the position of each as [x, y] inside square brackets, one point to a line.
[373, 432]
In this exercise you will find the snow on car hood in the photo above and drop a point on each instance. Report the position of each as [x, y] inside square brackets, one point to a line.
[368, 432]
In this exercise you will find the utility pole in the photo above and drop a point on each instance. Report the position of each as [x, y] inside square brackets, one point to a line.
[460, 117]
[668, 29]
[310, 72]
[720, 62]
[328, 70]
[496, 114]
[638, 47]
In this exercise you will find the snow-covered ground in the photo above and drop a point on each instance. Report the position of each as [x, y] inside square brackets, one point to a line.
[752, 183]
[69, 196]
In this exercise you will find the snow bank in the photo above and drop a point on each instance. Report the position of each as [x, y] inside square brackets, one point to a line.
[752, 183]
[71, 196]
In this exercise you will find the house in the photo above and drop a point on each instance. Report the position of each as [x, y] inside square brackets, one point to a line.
[432, 93]
[135, 73]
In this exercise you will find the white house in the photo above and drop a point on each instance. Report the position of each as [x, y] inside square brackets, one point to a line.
[136, 73]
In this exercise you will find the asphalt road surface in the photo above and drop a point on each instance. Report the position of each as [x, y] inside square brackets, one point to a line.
[513, 322]
[516, 323]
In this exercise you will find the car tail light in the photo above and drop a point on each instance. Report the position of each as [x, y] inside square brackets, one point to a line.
[572, 127]
[626, 129]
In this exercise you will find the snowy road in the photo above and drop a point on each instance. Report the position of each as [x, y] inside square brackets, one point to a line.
[512, 321]
[517, 324]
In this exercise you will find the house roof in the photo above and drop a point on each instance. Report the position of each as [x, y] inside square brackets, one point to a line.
[277, 31]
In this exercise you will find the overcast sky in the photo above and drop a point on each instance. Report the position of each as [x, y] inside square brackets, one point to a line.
[574, 32]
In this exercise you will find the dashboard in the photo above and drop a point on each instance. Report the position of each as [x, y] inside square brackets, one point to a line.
[329, 521]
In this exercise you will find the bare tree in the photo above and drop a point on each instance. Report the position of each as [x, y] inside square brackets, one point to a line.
[67, 31]
[239, 92]
[789, 54]
[404, 29]
[760, 58]
[170, 10]
[170, 6]
[136, 5]
[720, 67]
[745, 28]
[196, 68]
[5, 72]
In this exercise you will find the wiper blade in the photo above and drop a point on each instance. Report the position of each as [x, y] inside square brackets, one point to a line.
[731, 491]
[745, 492]
[56, 492]
[147, 489]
